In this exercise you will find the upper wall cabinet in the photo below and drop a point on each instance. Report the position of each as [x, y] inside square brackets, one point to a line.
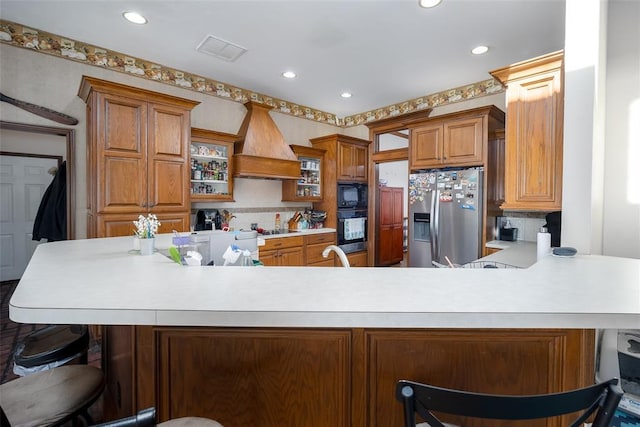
[353, 161]
[347, 158]
[137, 157]
[211, 165]
[534, 132]
[310, 185]
[447, 143]
[457, 139]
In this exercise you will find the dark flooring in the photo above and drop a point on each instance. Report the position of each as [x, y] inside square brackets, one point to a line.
[12, 333]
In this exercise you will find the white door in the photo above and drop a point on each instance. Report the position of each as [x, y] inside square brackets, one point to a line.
[23, 181]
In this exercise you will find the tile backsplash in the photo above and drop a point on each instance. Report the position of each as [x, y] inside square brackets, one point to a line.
[527, 223]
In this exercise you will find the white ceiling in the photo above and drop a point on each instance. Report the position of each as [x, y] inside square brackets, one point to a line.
[383, 51]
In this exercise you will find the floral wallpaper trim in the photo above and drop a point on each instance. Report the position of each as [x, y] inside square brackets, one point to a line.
[43, 42]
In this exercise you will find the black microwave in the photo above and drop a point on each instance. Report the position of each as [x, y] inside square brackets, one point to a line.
[352, 195]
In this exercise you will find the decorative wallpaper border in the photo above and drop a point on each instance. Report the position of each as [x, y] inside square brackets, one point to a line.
[43, 42]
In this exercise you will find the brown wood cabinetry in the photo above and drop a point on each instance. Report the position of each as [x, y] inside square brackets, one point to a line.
[284, 251]
[137, 157]
[390, 229]
[489, 251]
[310, 186]
[314, 244]
[211, 165]
[449, 142]
[465, 138]
[352, 161]
[358, 259]
[330, 376]
[534, 132]
[495, 173]
[337, 148]
[346, 155]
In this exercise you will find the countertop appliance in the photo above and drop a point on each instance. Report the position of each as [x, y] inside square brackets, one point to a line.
[208, 220]
[619, 356]
[445, 214]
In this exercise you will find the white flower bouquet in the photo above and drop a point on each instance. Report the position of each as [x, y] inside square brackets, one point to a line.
[146, 228]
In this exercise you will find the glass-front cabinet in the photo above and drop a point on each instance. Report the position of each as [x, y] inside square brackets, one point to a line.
[309, 187]
[211, 165]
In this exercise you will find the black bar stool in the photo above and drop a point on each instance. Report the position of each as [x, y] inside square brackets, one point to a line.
[52, 346]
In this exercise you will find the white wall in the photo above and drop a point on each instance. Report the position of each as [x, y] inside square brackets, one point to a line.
[621, 213]
[582, 172]
[601, 204]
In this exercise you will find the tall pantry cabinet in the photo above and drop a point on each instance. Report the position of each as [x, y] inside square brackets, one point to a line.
[137, 157]
[390, 245]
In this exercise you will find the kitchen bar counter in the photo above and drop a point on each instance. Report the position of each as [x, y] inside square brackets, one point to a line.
[97, 281]
[337, 339]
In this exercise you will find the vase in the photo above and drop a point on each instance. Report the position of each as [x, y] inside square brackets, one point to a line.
[147, 246]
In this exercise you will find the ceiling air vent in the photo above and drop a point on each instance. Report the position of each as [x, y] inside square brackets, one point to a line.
[220, 48]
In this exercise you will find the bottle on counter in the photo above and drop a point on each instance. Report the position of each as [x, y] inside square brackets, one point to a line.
[277, 227]
[247, 261]
[543, 243]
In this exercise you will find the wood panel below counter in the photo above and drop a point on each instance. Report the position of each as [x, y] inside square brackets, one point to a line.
[329, 377]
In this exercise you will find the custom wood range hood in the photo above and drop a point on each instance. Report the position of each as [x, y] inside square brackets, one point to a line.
[260, 151]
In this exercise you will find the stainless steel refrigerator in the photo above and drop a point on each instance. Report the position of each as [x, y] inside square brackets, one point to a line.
[445, 216]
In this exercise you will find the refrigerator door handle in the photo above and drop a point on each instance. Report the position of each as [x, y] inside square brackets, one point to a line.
[435, 246]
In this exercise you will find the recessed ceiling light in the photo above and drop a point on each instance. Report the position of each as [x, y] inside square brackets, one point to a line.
[289, 75]
[346, 94]
[479, 50]
[134, 17]
[428, 3]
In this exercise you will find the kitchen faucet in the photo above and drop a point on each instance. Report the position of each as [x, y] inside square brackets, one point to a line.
[337, 250]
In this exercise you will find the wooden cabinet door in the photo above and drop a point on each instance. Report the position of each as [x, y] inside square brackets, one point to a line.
[292, 257]
[463, 142]
[390, 233]
[121, 134]
[315, 245]
[179, 221]
[533, 150]
[360, 167]
[426, 146]
[269, 258]
[113, 225]
[534, 143]
[168, 158]
[356, 259]
[346, 162]
[352, 162]
[296, 377]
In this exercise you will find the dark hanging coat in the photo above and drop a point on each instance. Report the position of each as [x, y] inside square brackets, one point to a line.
[51, 219]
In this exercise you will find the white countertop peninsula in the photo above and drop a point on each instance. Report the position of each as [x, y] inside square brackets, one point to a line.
[352, 332]
[97, 281]
[519, 253]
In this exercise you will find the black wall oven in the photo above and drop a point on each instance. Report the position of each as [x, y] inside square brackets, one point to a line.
[352, 230]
